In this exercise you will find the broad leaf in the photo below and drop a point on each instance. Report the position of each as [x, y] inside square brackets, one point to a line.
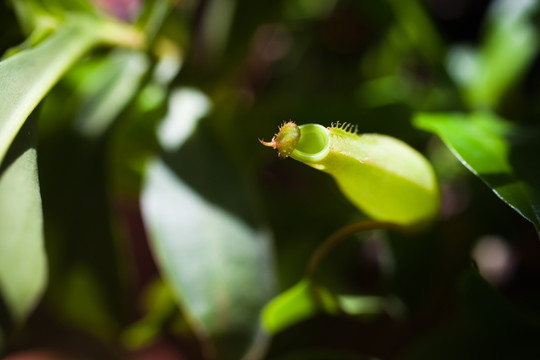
[23, 269]
[26, 77]
[218, 265]
[205, 235]
[495, 151]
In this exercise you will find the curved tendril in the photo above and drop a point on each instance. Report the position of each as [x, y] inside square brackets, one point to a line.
[342, 234]
[335, 239]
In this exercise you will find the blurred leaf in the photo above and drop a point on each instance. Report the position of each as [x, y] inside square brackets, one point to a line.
[482, 143]
[217, 264]
[361, 305]
[23, 269]
[26, 77]
[417, 26]
[119, 77]
[152, 16]
[34, 9]
[206, 235]
[382, 91]
[510, 46]
[32, 18]
[159, 306]
[305, 300]
[296, 304]
[84, 302]
[216, 24]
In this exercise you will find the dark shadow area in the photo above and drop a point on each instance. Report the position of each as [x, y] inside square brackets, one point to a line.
[496, 180]
[78, 226]
[524, 159]
[11, 34]
[524, 156]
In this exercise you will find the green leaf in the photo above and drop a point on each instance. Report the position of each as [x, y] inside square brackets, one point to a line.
[23, 271]
[118, 79]
[482, 142]
[306, 299]
[26, 77]
[206, 238]
[361, 305]
[159, 304]
[416, 25]
[83, 301]
[218, 265]
[296, 304]
[510, 46]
